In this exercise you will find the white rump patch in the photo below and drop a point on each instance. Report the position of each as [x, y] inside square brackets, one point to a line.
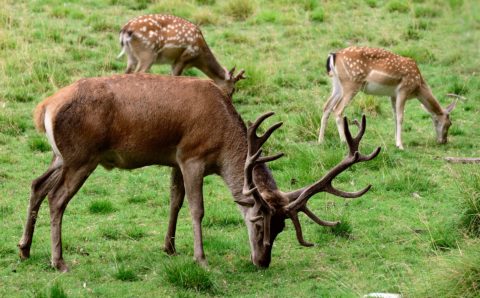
[49, 131]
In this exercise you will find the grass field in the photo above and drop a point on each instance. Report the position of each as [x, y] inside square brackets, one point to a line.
[408, 235]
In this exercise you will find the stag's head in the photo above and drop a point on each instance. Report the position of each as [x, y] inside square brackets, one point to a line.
[268, 207]
[228, 83]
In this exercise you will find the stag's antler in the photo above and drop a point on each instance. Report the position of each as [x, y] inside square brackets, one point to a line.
[253, 158]
[300, 197]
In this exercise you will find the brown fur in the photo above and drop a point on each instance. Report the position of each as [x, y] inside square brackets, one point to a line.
[135, 120]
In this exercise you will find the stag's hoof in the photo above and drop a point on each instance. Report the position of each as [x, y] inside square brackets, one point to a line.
[60, 265]
[170, 250]
[23, 251]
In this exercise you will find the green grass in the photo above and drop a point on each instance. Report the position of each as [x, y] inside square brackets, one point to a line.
[418, 225]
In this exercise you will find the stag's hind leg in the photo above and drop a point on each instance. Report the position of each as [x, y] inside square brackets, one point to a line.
[71, 180]
[177, 195]
[39, 190]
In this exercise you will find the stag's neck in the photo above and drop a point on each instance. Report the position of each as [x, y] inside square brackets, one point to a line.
[210, 66]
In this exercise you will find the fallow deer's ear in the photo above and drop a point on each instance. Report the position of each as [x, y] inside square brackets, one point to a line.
[231, 72]
[239, 76]
[451, 106]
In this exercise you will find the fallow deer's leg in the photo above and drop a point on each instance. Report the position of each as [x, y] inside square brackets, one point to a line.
[348, 94]
[393, 101]
[177, 67]
[145, 59]
[40, 188]
[131, 62]
[328, 107]
[70, 182]
[177, 194]
[192, 171]
[399, 109]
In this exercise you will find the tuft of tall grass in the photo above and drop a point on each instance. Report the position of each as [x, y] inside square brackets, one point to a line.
[318, 15]
[240, 9]
[101, 206]
[398, 6]
[38, 143]
[455, 276]
[471, 201]
[56, 291]
[189, 275]
[125, 274]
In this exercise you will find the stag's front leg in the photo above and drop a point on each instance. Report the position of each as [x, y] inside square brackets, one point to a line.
[193, 179]
[177, 195]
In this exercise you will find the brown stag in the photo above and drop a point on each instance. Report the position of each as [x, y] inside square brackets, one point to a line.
[134, 120]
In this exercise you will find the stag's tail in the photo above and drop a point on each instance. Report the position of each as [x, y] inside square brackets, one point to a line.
[39, 116]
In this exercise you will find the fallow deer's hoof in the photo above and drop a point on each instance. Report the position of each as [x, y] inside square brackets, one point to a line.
[202, 262]
[23, 251]
[60, 265]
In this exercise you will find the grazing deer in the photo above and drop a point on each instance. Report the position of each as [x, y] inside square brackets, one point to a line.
[135, 120]
[172, 40]
[380, 72]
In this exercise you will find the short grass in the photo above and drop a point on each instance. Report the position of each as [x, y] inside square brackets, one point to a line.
[417, 215]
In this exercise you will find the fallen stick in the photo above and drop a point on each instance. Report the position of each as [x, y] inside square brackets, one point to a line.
[463, 159]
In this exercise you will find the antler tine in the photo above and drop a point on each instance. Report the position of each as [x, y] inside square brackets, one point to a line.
[298, 229]
[319, 221]
[325, 183]
[254, 144]
[346, 194]
[254, 141]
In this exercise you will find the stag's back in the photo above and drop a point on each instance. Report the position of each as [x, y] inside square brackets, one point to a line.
[129, 121]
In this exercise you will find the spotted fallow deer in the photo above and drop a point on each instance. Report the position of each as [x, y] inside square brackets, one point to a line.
[168, 39]
[134, 120]
[379, 72]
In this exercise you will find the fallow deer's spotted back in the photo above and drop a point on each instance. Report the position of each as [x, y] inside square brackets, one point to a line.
[158, 31]
[166, 39]
[360, 62]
